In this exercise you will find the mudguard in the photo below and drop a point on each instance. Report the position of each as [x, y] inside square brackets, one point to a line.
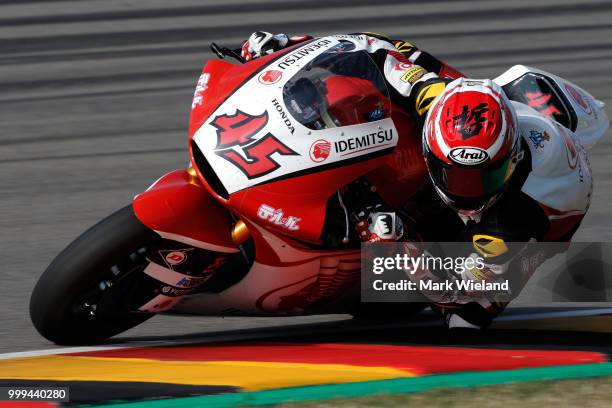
[179, 208]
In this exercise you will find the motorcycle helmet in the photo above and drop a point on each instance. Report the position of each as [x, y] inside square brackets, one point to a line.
[471, 144]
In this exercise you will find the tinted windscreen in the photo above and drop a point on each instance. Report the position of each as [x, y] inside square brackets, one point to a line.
[341, 87]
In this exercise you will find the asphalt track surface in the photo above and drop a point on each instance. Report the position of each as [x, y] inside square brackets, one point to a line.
[95, 97]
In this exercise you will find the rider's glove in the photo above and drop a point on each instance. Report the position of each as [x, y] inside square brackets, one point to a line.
[377, 226]
[263, 43]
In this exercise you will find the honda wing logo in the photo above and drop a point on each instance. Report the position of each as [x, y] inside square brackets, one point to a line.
[236, 143]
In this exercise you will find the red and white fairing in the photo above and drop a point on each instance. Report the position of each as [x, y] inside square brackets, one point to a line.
[262, 97]
[298, 281]
[257, 162]
[277, 171]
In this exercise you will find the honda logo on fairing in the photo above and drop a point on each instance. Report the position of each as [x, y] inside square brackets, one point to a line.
[469, 156]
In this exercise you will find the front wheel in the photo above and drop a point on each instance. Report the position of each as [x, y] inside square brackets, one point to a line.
[87, 294]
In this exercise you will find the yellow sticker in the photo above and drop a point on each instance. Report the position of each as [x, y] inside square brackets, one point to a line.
[413, 75]
[427, 95]
[404, 46]
[481, 274]
[489, 246]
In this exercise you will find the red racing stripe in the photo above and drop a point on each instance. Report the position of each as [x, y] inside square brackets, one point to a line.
[416, 359]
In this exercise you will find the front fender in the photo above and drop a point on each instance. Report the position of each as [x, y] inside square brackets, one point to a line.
[179, 208]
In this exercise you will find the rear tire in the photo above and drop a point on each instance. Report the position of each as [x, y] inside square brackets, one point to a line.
[77, 275]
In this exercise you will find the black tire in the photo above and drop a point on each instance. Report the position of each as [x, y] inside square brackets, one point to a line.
[382, 311]
[79, 269]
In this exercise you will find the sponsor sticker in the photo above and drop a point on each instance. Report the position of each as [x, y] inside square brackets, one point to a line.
[201, 86]
[349, 36]
[468, 156]
[538, 138]
[176, 257]
[277, 217]
[284, 116]
[270, 77]
[404, 47]
[190, 282]
[578, 98]
[572, 152]
[403, 66]
[413, 75]
[378, 112]
[171, 291]
[365, 142]
[302, 52]
[474, 82]
[319, 150]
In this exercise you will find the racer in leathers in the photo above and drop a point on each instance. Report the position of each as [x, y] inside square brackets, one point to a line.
[506, 180]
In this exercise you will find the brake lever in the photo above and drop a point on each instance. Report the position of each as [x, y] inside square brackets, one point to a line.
[223, 52]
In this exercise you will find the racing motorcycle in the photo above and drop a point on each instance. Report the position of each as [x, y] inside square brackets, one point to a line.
[283, 149]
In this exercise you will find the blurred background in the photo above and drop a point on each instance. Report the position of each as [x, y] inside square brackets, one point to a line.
[95, 98]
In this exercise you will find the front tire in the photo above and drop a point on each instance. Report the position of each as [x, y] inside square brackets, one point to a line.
[84, 295]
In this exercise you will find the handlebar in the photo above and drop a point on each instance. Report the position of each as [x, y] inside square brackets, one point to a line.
[223, 52]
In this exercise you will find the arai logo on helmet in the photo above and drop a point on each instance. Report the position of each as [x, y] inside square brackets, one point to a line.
[468, 156]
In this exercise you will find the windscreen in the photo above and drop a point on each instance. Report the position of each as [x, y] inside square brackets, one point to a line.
[341, 87]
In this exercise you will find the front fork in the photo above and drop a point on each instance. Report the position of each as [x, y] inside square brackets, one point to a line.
[198, 235]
